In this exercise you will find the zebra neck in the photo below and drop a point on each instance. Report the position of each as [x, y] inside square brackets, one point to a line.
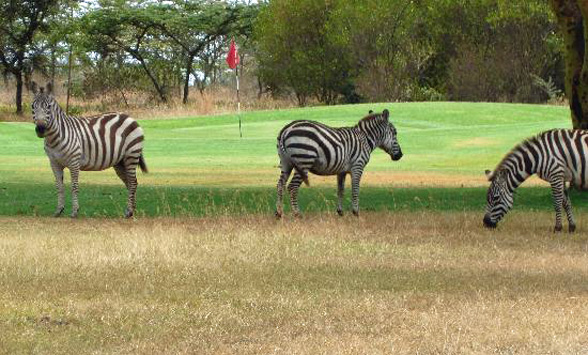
[371, 143]
[56, 127]
[515, 176]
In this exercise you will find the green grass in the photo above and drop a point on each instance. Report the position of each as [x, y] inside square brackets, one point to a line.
[415, 273]
[183, 201]
[199, 165]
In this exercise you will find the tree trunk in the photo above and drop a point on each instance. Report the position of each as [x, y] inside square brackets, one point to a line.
[53, 65]
[69, 66]
[187, 79]
[569, 16]
[19, 84]
[160, 91]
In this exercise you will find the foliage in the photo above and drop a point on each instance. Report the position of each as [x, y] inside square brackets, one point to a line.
[166, 39]
[327, 51]
[299, 45]
[481, 50]
[500, 49]
[21, 20]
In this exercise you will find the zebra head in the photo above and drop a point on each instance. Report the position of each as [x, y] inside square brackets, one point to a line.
[41, 106]
[499, 198]
[389, 143]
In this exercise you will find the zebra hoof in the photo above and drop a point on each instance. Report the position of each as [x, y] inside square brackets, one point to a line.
[128, 213]
[557, 229]
[297, 215]
[356, 213]
[278, 215]
[58, 212]
[74, 214]
[572, 228]
[340, 213]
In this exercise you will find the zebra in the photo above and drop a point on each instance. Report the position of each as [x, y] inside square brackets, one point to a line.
[557, 156]
[93, 143]
[305, 146]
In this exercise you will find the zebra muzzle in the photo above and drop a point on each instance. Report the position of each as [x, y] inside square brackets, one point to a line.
[40, 130]
[397, 156]
[488, 222]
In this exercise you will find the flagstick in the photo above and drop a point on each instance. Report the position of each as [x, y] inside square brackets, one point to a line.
[238, 102]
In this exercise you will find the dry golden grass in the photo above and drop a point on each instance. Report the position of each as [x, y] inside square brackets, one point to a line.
[214, 100]
[385, 283]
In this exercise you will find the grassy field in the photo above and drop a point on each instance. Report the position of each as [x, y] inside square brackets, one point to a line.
[205, 268]
[202, 159]
[407, 282]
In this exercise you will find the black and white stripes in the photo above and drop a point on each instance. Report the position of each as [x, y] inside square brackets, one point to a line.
[307, 146]
[556, 156]
[94, 143]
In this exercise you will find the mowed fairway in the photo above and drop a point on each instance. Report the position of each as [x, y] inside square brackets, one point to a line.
[200, 166]
[205, 268]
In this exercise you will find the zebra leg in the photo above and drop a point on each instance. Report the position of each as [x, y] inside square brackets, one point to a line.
[340, 192]
[293, 189]
[131, 173]
[355, 179]
[557, 191]
[58, 172]
[122, 173]
[284, 175]
[75, 173]
[567, 204]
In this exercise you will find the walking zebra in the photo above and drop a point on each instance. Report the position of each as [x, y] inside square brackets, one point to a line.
[305, 146]
[94, 143]
[556, 156]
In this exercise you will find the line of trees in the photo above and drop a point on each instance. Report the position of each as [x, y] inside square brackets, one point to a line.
[327, 51]
[475, 50]
[119, 46]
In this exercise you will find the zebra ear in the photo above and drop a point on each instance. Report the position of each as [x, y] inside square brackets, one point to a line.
[370, 112]
[49, 87]
[34, 87]
[489, 175]
[386, 114]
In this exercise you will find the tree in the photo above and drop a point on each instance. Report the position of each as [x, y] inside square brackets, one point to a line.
[572, 17]
[195, 26]
[131, 29]
[298, 46]
[495, 50]
[21, 20]
[388, 65]
[165, 34]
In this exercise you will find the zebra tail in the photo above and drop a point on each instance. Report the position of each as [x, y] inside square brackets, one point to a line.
[142, 164]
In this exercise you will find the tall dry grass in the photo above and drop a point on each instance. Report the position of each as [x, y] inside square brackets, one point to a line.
[217, 99]
[420, 282]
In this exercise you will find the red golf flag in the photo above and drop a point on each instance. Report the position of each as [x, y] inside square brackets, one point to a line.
[233, 56]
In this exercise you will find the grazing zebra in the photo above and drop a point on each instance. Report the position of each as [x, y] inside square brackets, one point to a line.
[305, 146]
[556, 156]
[94, 143]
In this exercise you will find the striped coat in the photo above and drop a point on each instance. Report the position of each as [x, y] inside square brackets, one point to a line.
[556, 156]
[307, 146]
[94, 143]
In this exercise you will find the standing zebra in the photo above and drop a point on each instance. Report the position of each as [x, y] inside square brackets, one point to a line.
[305, 146]
[94, 143]
[556, 156]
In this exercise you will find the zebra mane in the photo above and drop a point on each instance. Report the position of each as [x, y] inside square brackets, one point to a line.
[524, 143]
[370, 117]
